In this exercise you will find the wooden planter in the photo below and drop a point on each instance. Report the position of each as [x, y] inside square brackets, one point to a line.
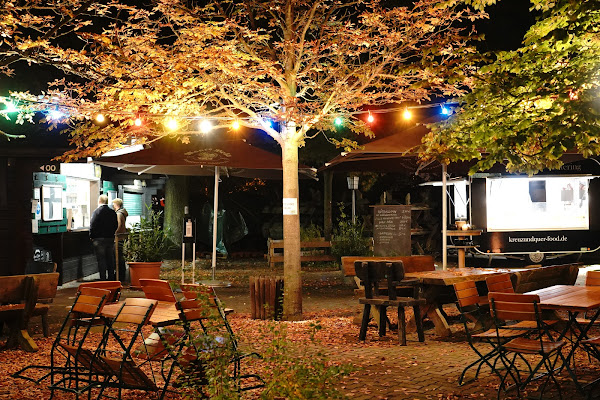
[143, 270]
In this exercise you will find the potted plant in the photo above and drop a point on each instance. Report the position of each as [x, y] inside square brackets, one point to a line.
[148, 243]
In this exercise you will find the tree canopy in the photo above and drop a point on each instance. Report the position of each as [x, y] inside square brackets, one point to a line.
[530, 106]
[288, 68]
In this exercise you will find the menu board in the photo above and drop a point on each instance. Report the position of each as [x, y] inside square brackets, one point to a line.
[391, 231]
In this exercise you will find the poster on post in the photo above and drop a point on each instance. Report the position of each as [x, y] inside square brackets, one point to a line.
[391, 230]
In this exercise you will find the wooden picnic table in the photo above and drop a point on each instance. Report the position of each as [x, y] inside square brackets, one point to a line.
[437, 291]
[574, 300]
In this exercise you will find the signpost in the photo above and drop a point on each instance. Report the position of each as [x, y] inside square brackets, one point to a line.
[188, 236]
[391, 230]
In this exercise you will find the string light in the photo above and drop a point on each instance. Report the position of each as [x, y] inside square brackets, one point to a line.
[139, 118]
[9, 107]
[206, 126]
[55, 115]
[171, 124]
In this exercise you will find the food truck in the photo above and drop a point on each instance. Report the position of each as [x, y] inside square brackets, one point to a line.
[547, 215]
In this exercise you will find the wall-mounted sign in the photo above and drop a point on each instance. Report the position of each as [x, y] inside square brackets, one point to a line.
[52, 208]
[290, 206]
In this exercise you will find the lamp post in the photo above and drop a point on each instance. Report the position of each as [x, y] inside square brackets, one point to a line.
[353, 185]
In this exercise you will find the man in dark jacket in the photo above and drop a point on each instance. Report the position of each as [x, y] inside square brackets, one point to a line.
[103, 225]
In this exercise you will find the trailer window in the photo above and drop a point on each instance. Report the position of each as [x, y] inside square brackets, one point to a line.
[529, 204]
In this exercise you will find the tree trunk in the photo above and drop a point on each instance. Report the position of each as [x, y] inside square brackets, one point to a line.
[327, 204]
[292, 298]
[176, 198]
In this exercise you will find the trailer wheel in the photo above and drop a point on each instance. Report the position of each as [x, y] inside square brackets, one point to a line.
[536, 257]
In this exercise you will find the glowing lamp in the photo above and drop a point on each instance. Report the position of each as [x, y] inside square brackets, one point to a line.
[407, 114]
[206, 126]
[54, 115]
[235, 125]
[100, 118]
[171, 124]
[338, 121]
[370, 118]
[137, 121]
[445, 110]
[9, 107]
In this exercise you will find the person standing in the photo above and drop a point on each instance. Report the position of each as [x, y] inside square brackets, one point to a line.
[121, 234]
[103, 225]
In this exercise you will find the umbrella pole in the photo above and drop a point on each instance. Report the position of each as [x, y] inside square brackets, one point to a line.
[215, 210]
[444, 220]
[182, 262]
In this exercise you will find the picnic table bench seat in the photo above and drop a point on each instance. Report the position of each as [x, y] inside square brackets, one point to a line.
[312, 251]
[22, 297]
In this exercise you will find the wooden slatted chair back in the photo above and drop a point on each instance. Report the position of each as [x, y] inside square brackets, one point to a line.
[592, 278]
[136, 311]
[158, 289]
[90, 301]
[194, 291]
[47, 286]
[114, 287]
[499, 283]
[371, 274]
[194, 310]
[466, 294]
[514, 306]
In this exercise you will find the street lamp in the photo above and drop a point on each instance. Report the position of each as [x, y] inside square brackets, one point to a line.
[353, 185]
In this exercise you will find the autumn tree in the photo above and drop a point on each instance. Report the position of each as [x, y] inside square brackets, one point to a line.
[531, 105]
[288, 68]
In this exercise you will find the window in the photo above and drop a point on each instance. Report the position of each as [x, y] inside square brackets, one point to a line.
[529, 204]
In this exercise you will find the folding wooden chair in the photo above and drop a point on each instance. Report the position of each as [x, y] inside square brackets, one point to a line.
[500, 283]
[209, 335]
[373, 274]
[522, 307]
[67, 368]
[158, 289]
[115, 354]
[114, 287]
[474, 309]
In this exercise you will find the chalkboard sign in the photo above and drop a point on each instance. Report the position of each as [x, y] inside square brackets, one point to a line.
[391, 231]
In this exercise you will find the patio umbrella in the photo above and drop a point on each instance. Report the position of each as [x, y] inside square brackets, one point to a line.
[202, 157]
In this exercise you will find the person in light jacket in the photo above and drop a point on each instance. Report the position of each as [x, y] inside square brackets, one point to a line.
[121, 234]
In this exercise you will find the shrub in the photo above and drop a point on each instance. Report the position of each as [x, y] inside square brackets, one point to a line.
[348, 238]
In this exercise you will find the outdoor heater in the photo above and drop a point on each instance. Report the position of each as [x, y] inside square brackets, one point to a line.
[353, 185]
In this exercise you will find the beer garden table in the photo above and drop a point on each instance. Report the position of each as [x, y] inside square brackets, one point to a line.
[437, 288]
[574, 300]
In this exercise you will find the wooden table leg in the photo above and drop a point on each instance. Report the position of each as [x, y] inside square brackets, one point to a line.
[20, 338]
[461, 257]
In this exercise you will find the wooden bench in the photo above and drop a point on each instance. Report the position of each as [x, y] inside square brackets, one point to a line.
[411, 263]
[540, 277]
[417, 263]
[322, 248]
[22, 297]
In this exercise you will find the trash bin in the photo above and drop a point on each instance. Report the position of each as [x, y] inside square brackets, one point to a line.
[266, 297]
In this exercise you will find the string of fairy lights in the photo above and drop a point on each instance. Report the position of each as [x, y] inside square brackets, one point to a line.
[53, 113]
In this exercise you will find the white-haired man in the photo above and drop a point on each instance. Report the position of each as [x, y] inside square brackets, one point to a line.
[103, 224]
